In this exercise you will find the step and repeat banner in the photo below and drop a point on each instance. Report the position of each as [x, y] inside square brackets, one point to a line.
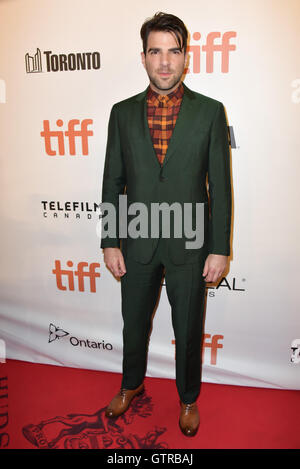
[63, 64]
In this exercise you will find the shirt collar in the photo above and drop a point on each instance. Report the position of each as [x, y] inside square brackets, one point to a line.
[170, 99]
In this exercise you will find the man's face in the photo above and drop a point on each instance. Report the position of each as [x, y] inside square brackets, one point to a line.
[164, 61]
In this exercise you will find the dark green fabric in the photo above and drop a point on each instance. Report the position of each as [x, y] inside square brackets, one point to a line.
[198, 149]
[185, 288]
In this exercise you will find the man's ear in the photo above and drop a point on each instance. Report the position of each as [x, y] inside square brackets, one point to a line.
[143, 58]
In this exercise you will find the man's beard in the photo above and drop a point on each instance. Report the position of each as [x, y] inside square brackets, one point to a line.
[167, 86]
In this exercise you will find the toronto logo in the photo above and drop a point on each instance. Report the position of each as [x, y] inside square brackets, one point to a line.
[62, 62]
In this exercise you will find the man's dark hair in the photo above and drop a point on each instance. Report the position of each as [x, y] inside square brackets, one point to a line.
[165, 22]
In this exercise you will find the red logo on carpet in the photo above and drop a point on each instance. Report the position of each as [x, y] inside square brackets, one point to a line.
[96, 431]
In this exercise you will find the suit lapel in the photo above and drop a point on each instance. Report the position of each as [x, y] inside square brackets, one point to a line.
[140, 129]
[183, 124]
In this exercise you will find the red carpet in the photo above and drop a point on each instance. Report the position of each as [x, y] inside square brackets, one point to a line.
[56, 407]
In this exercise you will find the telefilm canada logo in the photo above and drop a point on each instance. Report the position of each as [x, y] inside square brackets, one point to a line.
[56, 333]
[70, 209]
[37, 62]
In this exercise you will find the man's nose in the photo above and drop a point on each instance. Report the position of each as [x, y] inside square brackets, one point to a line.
[164, 59]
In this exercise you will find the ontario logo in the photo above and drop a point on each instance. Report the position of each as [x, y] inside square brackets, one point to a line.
[56, 333]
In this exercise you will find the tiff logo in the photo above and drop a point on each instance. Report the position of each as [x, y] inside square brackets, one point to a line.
[2, 351]
[34, 63]
[58, 135]
[214, 345]
[91, 274]
[210, 48]
[2, 91]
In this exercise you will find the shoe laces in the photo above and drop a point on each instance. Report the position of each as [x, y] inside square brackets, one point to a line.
[189, 406]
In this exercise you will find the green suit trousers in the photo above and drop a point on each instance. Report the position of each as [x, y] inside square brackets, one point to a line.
[185, 287]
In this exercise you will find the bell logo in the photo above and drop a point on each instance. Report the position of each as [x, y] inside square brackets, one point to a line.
[91, 274]
[71, 133]
[295, 347]
[210, 48]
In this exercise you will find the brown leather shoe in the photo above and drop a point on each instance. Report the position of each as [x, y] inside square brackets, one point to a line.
[122, 400]
[189, 418]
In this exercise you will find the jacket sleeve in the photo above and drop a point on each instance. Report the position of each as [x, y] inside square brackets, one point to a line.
[219, 185]
[114, 175]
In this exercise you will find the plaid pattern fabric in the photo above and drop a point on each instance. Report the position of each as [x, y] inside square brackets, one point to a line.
[162, 112]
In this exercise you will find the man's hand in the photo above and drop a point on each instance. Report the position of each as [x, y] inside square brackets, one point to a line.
[114, 260]
[214, 266]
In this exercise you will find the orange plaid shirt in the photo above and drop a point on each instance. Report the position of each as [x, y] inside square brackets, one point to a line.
[162, 112]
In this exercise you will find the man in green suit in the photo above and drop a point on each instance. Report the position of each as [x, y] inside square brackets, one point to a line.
[162, 145]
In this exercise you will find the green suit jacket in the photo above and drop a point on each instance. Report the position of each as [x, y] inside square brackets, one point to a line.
[198, 153]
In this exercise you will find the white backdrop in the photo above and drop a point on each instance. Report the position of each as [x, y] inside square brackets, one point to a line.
[48, 215]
